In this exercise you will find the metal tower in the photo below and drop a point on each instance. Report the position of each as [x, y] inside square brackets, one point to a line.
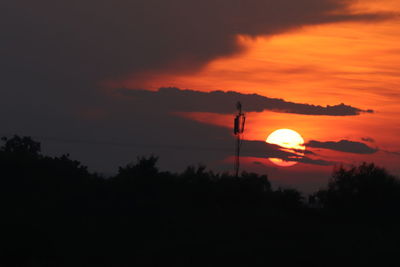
[238, 130]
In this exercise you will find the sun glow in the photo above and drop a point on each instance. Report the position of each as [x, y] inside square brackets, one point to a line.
[290, 141]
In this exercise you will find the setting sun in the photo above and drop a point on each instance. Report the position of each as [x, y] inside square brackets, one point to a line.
[290, 141]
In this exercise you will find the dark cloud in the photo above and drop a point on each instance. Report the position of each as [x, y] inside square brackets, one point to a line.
[54, 54]
[175, 99]
[319, 162]
[259, 149]
[344, 146]
[98, 39]
[70, 45]
[368, 139]
[394, 153]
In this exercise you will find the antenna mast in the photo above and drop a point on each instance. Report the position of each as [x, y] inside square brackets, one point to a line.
[238, 130]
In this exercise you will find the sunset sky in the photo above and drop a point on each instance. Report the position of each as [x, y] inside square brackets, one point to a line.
[84, 77]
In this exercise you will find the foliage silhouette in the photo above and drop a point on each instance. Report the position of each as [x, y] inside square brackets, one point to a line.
[56, 213]
[365, 190]
[21, 146]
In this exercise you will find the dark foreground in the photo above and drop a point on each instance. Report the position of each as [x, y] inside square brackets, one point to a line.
[55, 213]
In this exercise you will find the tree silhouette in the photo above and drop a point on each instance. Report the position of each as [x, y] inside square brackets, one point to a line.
[21, 146]
[366, 189]
[57, 213]
[144, 166]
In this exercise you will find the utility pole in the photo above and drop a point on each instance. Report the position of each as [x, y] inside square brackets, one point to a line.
[238, 130]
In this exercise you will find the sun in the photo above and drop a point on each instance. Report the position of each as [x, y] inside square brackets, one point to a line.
[290, 141]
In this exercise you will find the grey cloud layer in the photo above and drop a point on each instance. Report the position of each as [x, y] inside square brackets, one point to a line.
[220, 102]
[55, 53]
[98, 39]
[344, 146]
[260, 149]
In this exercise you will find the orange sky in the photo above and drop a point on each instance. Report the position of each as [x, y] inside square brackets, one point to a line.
[353, 63]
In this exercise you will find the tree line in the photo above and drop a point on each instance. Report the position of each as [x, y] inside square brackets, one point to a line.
[57, 213]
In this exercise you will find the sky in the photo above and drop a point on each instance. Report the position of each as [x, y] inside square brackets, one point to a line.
[107, 81]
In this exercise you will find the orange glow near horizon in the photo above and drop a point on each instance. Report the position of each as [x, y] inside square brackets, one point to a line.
[356, 63]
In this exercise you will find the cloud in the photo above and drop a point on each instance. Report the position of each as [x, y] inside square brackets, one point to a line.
[394, 153]
[175, 99]
[368, 139]
[54, 54]
[344, 146]
[319, 162]
[93, 40]
[259, 149]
